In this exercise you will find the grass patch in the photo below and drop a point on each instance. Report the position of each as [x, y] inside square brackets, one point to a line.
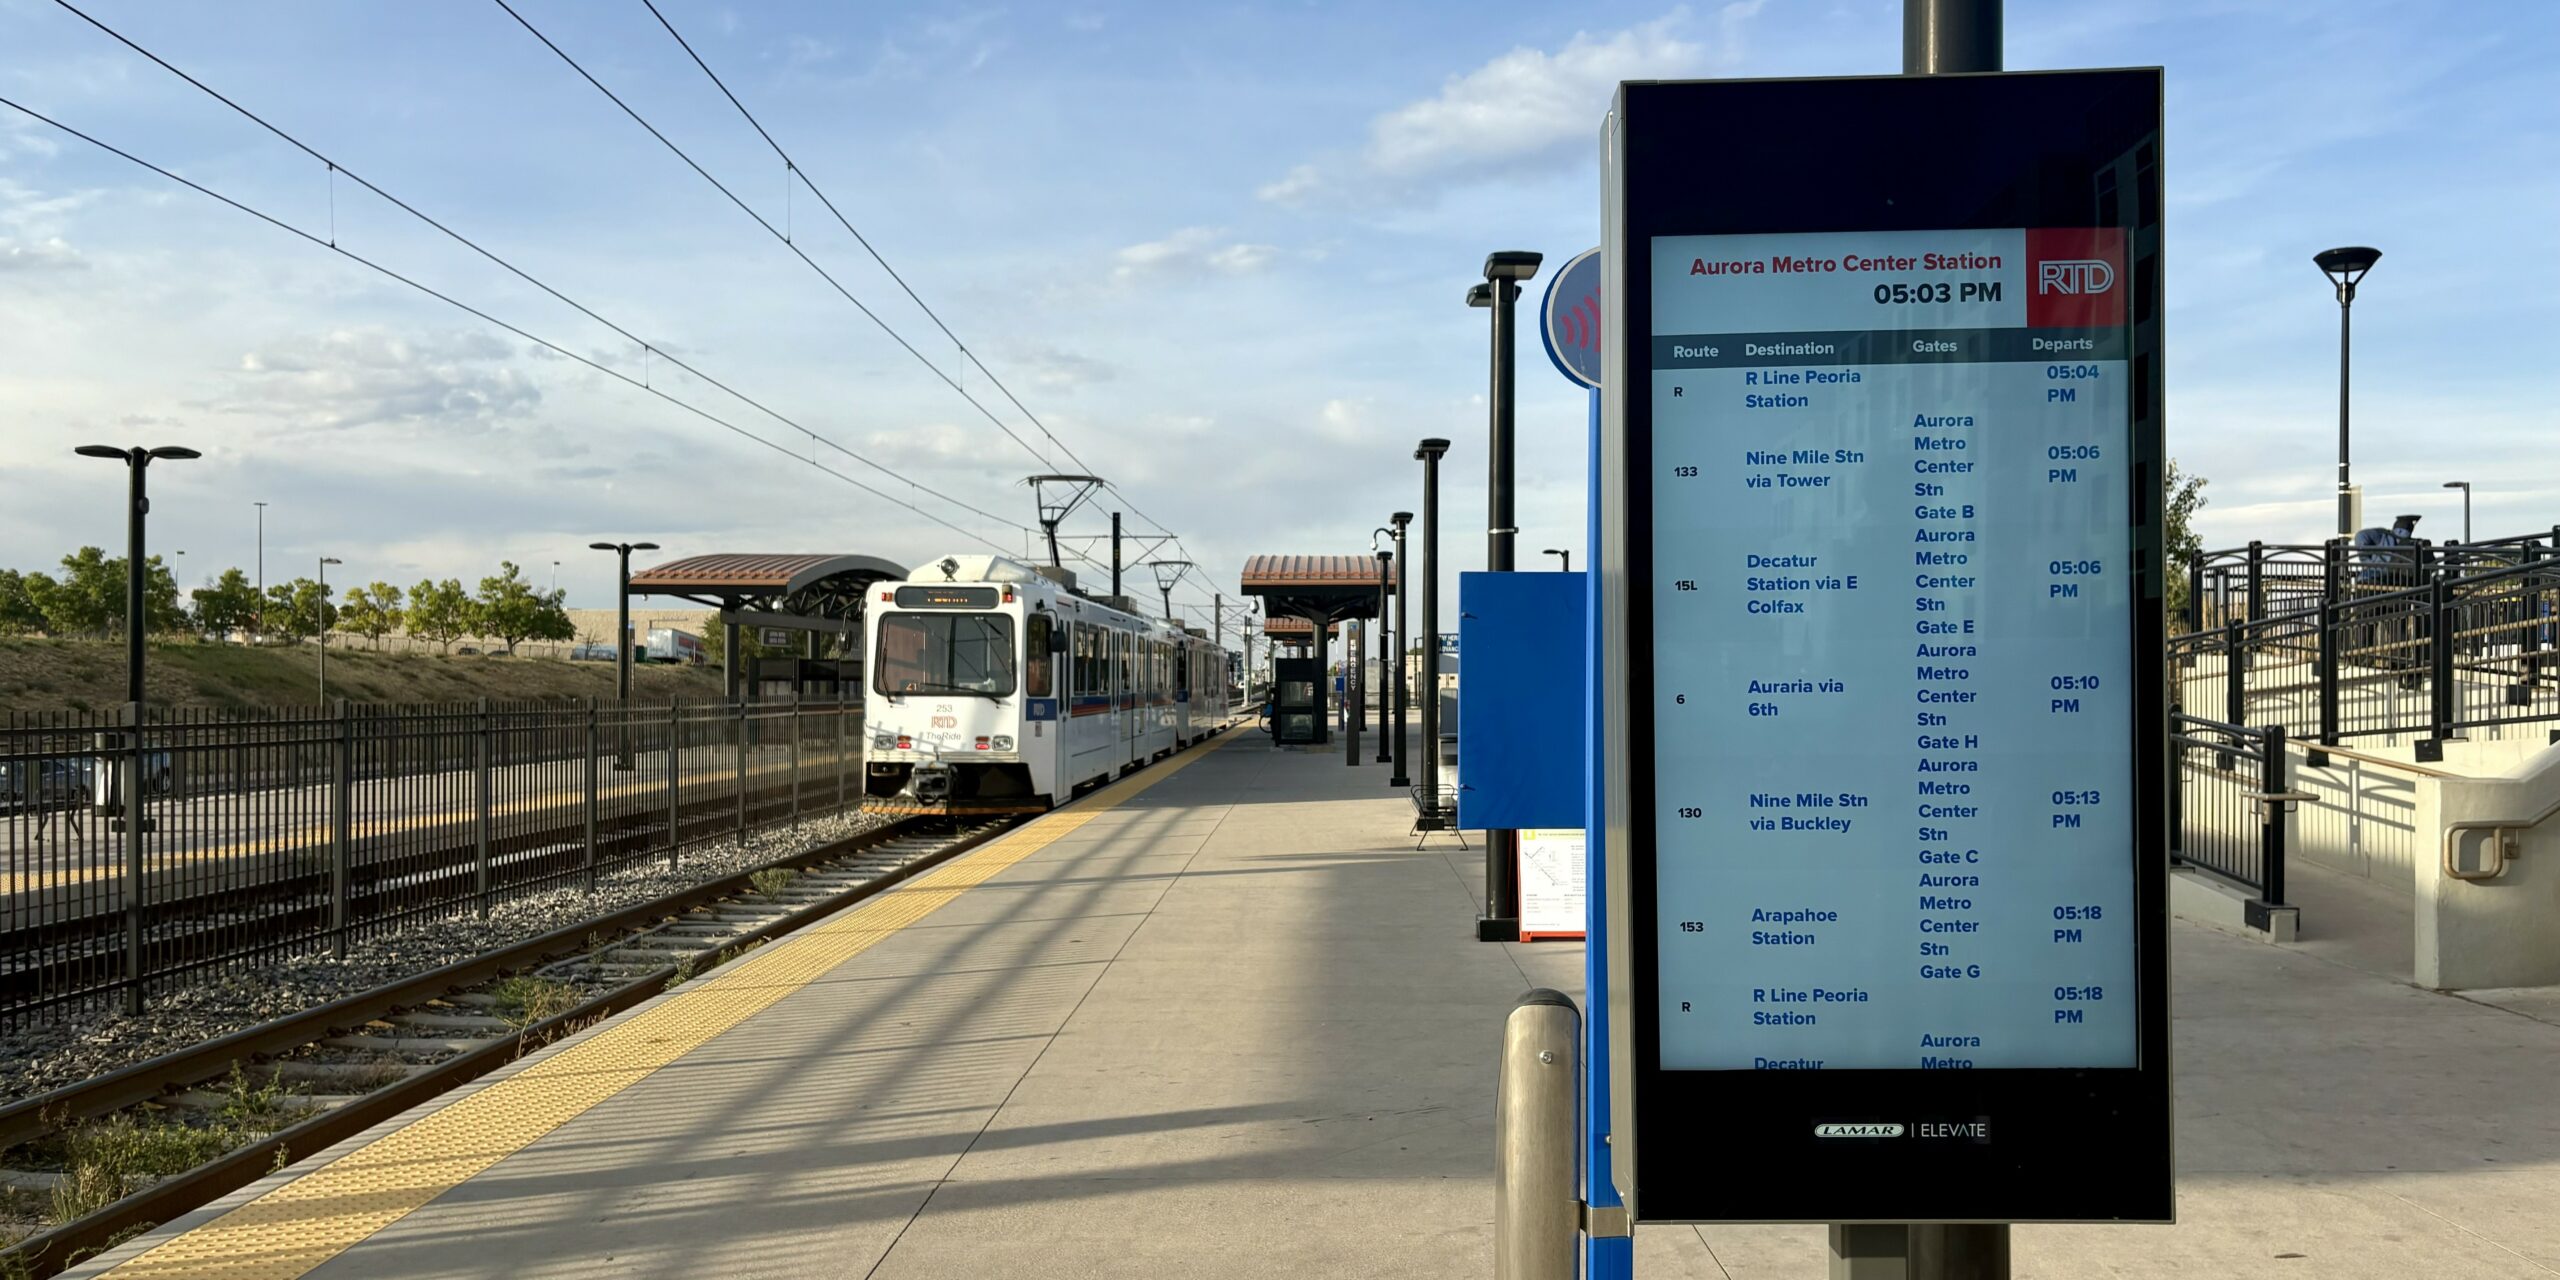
[527, 1000]
[106, 1160]
[771, 881]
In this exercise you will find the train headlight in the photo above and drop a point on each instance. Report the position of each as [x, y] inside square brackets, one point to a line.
[883, 741]
[1004, 742]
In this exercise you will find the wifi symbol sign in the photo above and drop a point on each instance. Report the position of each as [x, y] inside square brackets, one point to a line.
[1573, 319]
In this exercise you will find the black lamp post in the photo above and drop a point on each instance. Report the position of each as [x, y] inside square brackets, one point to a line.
[622, 644]
[325, 562]
[1430, 452]
[138, 505]
[1564, 559]
[127, 805]
[2345, 267]
[1400, 684]
[1388, 726]
[2465, 486]
[1503, 272]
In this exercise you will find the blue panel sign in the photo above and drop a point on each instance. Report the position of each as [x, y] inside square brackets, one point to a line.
[1520, 759]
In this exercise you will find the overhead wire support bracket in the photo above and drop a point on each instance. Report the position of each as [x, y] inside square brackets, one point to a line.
[1077, 491]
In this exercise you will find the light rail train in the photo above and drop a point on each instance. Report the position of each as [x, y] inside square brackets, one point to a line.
[997, 688]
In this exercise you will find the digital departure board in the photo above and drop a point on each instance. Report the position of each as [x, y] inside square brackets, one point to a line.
[1882, 435]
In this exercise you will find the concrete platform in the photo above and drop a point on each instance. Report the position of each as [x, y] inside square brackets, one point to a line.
[1235, 1025]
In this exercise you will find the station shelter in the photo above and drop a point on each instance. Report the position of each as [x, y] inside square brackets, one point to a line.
[1323, 593]
[810, 606]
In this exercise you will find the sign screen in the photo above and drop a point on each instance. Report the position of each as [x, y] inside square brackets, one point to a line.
[1883, 717]
[1893, 666]
[947, 597]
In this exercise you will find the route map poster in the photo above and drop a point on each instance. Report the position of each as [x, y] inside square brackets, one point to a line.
[1883, 712]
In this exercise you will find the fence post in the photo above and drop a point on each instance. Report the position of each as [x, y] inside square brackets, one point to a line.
[129, 810]
[2273, 781]
[482, 779]
[595, 748]
[2333, 620]
[2440, 657]
[742, 769]
[2177, 786]
[675, 782]
[795, 757]
[2257, 580]
[2195, 590]
[342, 828]
[2235, 676]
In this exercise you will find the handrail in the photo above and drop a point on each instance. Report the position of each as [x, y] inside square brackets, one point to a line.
[2505, 833]
[2385, 761]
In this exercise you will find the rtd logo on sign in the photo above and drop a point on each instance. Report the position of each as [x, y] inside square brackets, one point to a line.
[2086, 276]
[2076, 276]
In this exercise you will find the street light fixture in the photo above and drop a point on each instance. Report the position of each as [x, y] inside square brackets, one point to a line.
[125, 774]
[2345, 267]
[1430, 452]
[622, 645]
[2465, 486]
[1404, 641]
[138, 504]
[1504, 271]
[1388, 727]
[325, 562]
[1564, 559]
[258, 614]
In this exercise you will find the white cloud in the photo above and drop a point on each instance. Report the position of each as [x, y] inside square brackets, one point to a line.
[1191, 253]
[49, 254]
[1527, 109]
[452, 381]
[1062, 370]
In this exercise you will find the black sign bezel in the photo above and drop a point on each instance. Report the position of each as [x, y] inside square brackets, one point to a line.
[1883, 154]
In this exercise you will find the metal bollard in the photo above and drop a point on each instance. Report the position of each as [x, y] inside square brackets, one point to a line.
[1536, 1203]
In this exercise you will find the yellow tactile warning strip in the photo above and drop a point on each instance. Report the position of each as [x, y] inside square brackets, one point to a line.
[306, 1222]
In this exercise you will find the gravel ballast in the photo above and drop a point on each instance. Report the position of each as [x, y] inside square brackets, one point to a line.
[40, 1058]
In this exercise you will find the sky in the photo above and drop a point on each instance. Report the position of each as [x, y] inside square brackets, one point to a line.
[1217, 252]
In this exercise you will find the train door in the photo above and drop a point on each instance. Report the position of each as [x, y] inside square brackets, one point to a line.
[1125, 699]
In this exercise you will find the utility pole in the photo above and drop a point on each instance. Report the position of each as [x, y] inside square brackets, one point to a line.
[258, 628]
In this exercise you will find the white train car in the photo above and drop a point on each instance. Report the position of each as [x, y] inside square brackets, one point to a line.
[993, 689]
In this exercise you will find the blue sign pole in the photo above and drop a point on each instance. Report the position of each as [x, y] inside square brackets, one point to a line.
[1604, 1257]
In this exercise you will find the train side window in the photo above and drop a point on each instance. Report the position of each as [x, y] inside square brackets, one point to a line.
[1036, 659]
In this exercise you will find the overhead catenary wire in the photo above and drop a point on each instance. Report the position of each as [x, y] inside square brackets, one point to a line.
[792, 169]
[776, 232]
[456, 303]
[648, 349]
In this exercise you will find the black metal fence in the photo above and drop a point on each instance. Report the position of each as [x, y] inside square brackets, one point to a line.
[2337, 642]
[2231, 805]
[272, 832]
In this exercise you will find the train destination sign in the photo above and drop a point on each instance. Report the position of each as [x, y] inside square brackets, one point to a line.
[1882, 436]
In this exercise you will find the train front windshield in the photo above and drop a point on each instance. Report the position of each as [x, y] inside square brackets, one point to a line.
[964, 653]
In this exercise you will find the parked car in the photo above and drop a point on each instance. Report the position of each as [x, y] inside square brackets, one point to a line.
[62, 781]
[591, 653]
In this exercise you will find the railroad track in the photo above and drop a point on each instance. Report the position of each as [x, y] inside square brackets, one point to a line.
[73, 951]
[299, 1084]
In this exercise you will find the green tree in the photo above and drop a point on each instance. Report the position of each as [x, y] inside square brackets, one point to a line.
[19, 612]
[715, 643]
[371, 612]
[440, 611]
[298, 610]
[510, 609]
[2185, 496]
[228, 604]
[86, 598]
